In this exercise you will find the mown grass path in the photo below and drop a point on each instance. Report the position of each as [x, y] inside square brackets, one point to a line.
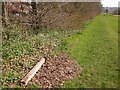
[96, 50]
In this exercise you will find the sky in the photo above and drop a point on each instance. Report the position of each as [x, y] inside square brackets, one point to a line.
[110, 3]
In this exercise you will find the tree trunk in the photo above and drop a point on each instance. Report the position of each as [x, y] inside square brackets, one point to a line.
[34, 8]
[35, 21]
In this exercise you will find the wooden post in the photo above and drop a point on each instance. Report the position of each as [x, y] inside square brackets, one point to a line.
[4, 14]
[31, 74]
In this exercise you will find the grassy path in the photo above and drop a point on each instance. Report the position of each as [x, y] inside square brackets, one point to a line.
[96, 50]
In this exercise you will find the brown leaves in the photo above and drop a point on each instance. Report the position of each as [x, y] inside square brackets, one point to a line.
[56, 71]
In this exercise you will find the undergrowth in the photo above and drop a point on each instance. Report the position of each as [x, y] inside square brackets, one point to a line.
[21, 49]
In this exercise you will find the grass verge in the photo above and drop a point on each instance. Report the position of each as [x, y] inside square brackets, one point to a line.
[96, 50]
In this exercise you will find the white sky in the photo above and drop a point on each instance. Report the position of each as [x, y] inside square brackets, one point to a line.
[110, 3]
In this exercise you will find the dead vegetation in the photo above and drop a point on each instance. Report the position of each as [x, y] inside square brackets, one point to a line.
[53, 73]
[56, 71]
[54, 15]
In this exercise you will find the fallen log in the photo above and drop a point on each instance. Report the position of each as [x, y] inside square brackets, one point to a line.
[31, 74]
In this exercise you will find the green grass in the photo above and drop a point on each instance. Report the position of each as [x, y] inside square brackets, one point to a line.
[96, 50]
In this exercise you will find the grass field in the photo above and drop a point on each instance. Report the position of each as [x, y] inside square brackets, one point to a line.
[96, 50]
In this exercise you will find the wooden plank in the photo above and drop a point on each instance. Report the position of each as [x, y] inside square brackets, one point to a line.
[31, 74]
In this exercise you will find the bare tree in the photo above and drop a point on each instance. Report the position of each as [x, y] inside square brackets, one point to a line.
[34, 7]
[35, 21]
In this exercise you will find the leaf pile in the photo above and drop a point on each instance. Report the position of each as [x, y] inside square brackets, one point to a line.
[56, 71]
